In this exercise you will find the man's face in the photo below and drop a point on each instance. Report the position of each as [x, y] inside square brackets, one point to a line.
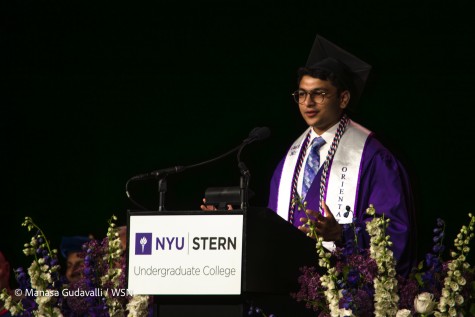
[74, 266]
[4, 272]
[321, 116]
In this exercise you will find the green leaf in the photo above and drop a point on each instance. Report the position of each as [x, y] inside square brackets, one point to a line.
[421, 265]
[418, 277]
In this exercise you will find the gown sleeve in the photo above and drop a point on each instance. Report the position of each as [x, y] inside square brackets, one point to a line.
[384, 184]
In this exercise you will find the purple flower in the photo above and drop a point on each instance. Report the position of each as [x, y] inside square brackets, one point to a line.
[346, 299]
[311, 290]
[431, 260]
[22, 279]
[438, 248]
[29, 305]
[359, 301]
[353, 277]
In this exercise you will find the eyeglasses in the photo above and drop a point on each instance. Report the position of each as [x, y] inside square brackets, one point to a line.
[316, 96]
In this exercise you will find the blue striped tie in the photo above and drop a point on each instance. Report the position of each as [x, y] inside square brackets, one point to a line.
[311, 165]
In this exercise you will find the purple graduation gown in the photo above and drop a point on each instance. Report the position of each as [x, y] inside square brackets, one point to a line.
[384, 183]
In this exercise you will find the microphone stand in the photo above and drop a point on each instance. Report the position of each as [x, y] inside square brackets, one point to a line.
[244, 185]
[161, 175]
[162, 181]
[162, 189]
[244, 179]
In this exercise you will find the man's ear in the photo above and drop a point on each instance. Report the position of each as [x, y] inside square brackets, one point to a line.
[344, 99]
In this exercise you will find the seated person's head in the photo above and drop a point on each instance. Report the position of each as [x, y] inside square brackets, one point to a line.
[4, 272]
[71, 249]
[123, 236]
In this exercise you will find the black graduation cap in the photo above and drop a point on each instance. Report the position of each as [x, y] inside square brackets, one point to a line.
[72, 244]
[352, 71]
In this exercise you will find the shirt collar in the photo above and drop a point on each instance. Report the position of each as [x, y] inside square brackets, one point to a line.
[327, 135]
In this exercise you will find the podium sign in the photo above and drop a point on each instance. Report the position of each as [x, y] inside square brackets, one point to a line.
[186, 254]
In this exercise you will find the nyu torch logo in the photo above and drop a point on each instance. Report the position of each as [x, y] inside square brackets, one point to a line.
[143, 243]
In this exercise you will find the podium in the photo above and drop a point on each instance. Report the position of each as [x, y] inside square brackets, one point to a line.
[271, 253]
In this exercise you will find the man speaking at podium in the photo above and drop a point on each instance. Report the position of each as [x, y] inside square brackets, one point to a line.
[337, 166]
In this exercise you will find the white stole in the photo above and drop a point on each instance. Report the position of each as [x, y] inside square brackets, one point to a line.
[285, 184]
[342, 179]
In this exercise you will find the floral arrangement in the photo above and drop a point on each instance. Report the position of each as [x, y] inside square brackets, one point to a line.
[100, 291]
[363, 282]
[348, 282]
[41, 287]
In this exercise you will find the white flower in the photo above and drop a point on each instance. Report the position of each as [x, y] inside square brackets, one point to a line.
[57, 312]
[138, 306]
[29, 251]
[42, 300]
[424, 303]
[346, 312]
[461, 281]
[115, 243]
[459, 300]
[445, 292]
[46, 277]
[452, 312]
[371, 211]
[385, 284]
[451, 297]
[404, 313]
[8, 302]
[14, 311]
[454, 286]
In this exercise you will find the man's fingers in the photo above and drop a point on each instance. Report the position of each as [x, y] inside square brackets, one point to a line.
[206, 207]
[319, 217]
[312, 214]
[326, 210]
[305, 230]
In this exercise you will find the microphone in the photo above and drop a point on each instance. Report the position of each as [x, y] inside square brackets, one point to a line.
[158, 173]
[256, 134]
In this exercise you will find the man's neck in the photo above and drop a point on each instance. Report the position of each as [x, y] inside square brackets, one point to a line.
[321, 130]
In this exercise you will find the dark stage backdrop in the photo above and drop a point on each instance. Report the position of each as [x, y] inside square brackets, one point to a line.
[95, 92]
